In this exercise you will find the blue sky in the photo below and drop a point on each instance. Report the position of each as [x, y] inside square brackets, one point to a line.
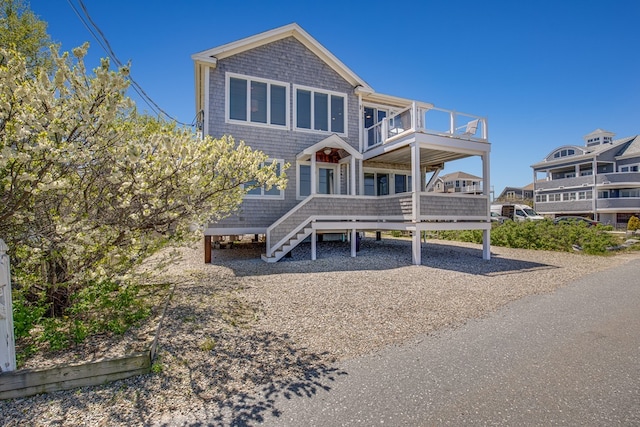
[545, 73]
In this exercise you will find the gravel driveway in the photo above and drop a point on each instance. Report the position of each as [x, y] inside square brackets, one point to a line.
[239, 332]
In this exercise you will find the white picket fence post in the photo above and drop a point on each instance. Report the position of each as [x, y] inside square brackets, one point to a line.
[7, 340]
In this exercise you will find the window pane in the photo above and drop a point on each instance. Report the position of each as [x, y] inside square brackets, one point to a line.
[256, 191]
[274, 191]
[382, 184]
[337, 114]
[303, 112]
[320, 111]
[258, 102]
[401, 186]
[305, 180]
[325, 181]
[278, 105]
[369, 184]
[237, 99]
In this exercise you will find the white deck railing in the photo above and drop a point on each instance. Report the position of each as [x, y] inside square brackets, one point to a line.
[421, 117]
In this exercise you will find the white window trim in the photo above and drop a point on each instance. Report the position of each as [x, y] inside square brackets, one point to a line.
[298, 164]
[628, 167]
[319, 165]
[392, 179]
[248, 122]
[326, 92]
[263, 196]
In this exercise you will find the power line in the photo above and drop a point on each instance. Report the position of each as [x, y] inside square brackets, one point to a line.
[106, 46]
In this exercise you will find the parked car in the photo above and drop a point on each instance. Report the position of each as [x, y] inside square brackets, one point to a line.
[516, 212]
[495, 217]
[568, 219]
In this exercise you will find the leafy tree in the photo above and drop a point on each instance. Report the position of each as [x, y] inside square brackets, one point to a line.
[633, 224]
[21, 29]
[89, 188]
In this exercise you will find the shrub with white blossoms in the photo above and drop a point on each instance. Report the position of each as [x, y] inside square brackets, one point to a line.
[89, 187]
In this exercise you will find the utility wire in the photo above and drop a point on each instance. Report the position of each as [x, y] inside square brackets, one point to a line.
[106, 46]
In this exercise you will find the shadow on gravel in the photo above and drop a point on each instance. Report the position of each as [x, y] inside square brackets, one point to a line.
[385, 254]
[215, 369]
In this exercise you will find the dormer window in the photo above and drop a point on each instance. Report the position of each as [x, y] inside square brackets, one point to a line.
[564, 153]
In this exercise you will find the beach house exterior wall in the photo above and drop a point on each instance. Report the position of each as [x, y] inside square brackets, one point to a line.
[358, 159]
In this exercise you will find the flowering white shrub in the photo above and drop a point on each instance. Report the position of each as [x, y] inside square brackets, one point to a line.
[89, 187]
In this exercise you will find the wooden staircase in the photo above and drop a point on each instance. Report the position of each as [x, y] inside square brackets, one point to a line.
[288, 247]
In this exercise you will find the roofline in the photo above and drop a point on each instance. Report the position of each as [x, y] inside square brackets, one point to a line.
[213, 55]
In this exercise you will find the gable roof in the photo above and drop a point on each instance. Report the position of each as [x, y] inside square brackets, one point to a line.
[631, 150]
[211, 56]
[459, 175]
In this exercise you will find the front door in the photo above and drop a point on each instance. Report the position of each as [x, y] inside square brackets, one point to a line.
[326, 180]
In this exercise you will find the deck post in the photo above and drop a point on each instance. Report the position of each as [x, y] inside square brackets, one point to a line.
[313, 174]
[207, 249]
[314, 239]
[416, 255]
[353, 175]
[417, 181]
[353, 242]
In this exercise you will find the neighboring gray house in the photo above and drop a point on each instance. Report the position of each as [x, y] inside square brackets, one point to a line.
[600, 180]
[458, 182]
[517, 193]
[358, 158]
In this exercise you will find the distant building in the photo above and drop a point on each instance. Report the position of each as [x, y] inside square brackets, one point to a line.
[458, 182]
[600, 180]
[517, 193]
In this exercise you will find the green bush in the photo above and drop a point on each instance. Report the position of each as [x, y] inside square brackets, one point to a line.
[542, 235]
[633, 224]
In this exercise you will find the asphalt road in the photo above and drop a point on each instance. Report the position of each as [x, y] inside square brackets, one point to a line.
[567, 358]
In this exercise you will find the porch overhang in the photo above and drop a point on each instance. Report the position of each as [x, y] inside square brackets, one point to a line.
[434, 149]
[333, 141]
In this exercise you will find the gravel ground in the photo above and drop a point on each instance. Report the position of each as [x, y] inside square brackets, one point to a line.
[239, 331]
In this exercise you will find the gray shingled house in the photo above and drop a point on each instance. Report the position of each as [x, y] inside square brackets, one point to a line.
[359, 159]
[599, 180]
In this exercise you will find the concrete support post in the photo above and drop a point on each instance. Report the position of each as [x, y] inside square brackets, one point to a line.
[354, 242]
[486, 244]
[416, 248]
[314, 240]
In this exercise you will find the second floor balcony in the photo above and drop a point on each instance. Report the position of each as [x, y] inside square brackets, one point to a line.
[424, 118]
[602, 181]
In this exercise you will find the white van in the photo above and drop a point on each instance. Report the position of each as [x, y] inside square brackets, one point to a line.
[516, 212]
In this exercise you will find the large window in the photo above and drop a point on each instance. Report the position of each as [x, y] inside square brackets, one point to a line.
[263, 192]
[322, 111]
[257, 101]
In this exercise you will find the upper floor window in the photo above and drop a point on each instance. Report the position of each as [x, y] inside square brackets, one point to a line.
[319, 110]
[628, 168]
[257, 101]
[263, 192]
